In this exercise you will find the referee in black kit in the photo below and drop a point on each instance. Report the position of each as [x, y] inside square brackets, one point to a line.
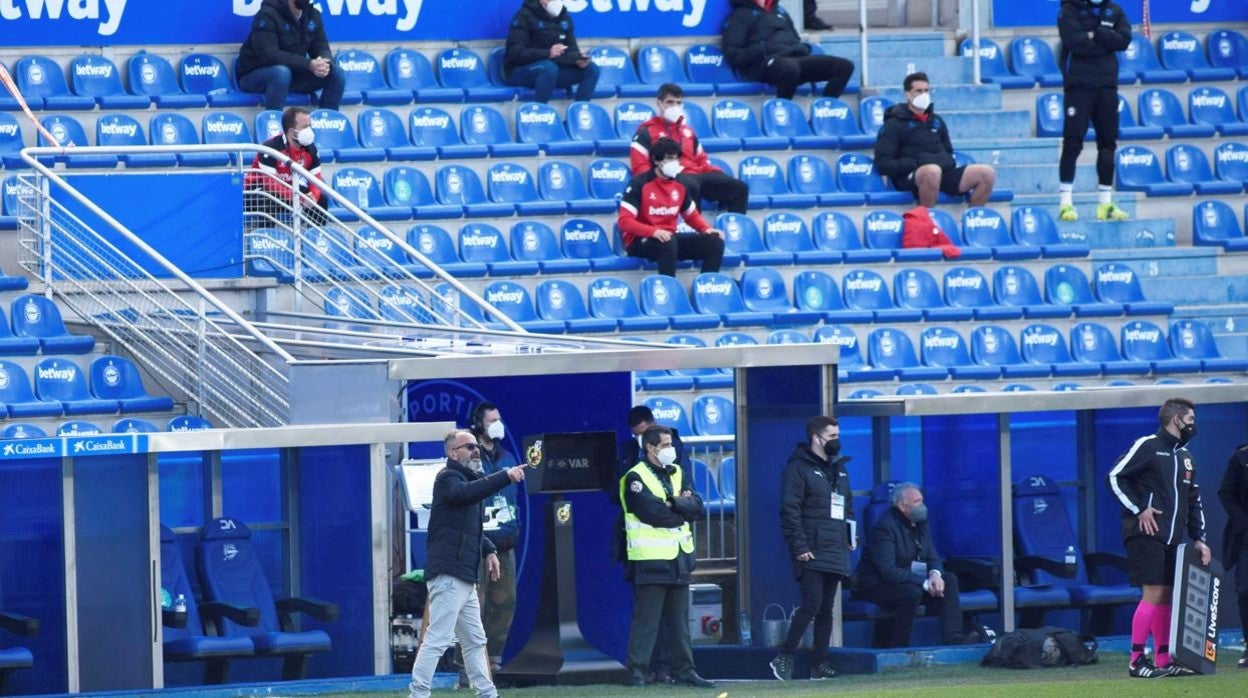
[1234, 495]
[1155, 482]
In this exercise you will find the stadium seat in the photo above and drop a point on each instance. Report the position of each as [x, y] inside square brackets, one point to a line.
[584, 238]
[818, 292]
[764, 290]
[889, 348]
[833, 118]
[405, 304]
[864, 289]
[42, 84]
[688, 378]
[657, 64]
[589, 122]
[354, 303]
[1034, 227]
[114, 378]
[732, 118]
[1228, 49]
[482, 243]
[407, 186]
[861, 394]
[120, 130]
[151, 75]
[514, 301]
[433, 133]
[992, 65]
[1044, 534]
[613, 298]
[787, 337]
[1033, 57]
[237, 577]
[696, 119]
[663, 296]
[1158, 107]
[561, 301]
[1139, 169]
[11, 142]
[1192, 339]
[1045, 345]
[409, 70]
[616, 74]
[1065, 284]
[784, 119]
[705, 65]
[22, 430]
[361, 188]
[382, 129]
[916, 389]
[1128, 128]
[460, 185]
[1214, 223]
[78, 427]
[540, 124]
[785, 232]
[1117, 283]
[484, 125]
[1145, 341]
[204, 74]
[189, 422]
[742, 241]
[435, 243]
[195, 637]
[984, 227]
[856, 173]
[464, 69]
[1187, 164]
[11, 345]
[95, 76]
[379, 256]
[736, 339]
[268, 124]
[1013, 285]
[628, 116]
[19, 397]
[851, 367]
[607, 179]
[171, 128]
[452, 307]
[1050, 115]
[560, 181]
[534, 241]
[61, 380]
[38, 317]
[705, 484]
[11, 188]
[1183, 51]
[966, 287]
[882, 230]
[718, 294]
[835, 231]
[812, 175]
[511, 183]
[944, 347]
[871, 113]
[327, 255]
[1093, 343]
[1211, 106]
[915, 288]
[994, 346]
[365, 82]
[335, 139]
[270, 252]
[69, 132]
[1140, 62]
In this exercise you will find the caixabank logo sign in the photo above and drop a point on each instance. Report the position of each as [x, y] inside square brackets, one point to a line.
[74, 446]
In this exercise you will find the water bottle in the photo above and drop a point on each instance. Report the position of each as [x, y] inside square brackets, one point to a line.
[746, 636]
[1070, 560]
[179, 604]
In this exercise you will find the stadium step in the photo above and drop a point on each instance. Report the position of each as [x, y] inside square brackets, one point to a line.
[879, 46]
[965, 125]
[947, 98]
[1041, 178]
[1154, 262]
[997, 152]
[1207, 290]
[941, 70]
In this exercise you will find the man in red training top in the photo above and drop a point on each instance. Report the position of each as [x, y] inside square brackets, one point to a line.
[269, 183]
[652, 204]
[708, 181]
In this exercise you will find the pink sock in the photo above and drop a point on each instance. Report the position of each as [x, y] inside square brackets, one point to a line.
[1140, 624]
[1161, 634]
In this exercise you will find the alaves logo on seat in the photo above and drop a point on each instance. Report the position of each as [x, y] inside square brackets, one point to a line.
[109, 16]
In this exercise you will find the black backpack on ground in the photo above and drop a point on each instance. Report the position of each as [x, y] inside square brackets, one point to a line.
[1037, 648]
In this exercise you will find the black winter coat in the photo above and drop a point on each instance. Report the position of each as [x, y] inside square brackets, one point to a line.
[752, 37]
[1234, 495]
[456, 544]
[654, 512]
[1091, 62]
[1158, 471]
[904, 143]
[806, 488]
[533, 31]
[277, 38]
[895, 543]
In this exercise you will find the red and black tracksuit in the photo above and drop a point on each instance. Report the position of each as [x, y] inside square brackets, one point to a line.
[706, 180]
[273, 175]
[652, 202]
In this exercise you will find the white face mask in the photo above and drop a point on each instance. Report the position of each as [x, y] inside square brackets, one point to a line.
[922, 102]
[672, 114]
[305, 136]
[495, 431]
[554, 7]
[667, 456]
[671, 168]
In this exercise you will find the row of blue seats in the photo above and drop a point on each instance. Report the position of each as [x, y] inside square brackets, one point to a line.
[125, 425]
[1187, 171]
[1161, 114]
[922, 388]
[37, 327]
[60, 387]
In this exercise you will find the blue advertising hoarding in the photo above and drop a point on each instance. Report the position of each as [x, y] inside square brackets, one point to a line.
[1012, 13]
[156, 22]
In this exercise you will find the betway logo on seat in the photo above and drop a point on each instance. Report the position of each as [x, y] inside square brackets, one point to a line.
[663, 210]
[504, 296]
[757, 170]
[718, 288]
[8, 129]
[609, 61]
[666, 414]
[509, 176]
[378, 243]
[884, 225]
[57, 374]
[619, 293]
[989, 52]
[990, 222]
[1203, 99]
[1135, 335]
[611, 174]
[1188, 45]
[932, 341]
[93, 70]
[831, 112]
[854, 167]
[784, 226]
[233, 128]
[1237, 155]
[475, 239]
[112, 128]
[840, 340]
[268, 244]
[706, 58]
[580, 235]
[964, 281]
[537, 117]
[330, 124]
[430, 121]
[862, 284]
[357, 66]
[734, 113]
[1136, 159]
[211, 70]
[353, 181]
[15, 188]
[1114, 277]
[465, 63]
[1048, 339]
[633, 116]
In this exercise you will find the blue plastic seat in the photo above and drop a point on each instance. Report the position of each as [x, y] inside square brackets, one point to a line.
[1034, 227]
[560, 181]
[481, 243]
[1159, 107]
[607, 179]
[965, 287]
[995, 347]
[697, 121]
[786, 233]
[861, 394]
[1128, 128]
[113, 130]
[1213, 107]
[68, 131]
[787, 337]
[628, 116]
[61, 380]
[17, 395]
[407, 186]
[38, 317]
[585, 239]
[354, 303]
[944, 347]
[382, 129]
[1013, 285]
[1065, 284]
[484, 125]
[1050, 115]
[871, 112]
[688, 378]
[984, 227]
[663, 296]
[78, 427]
[915, 288]
[95, 76]
[889, 348]
[669, 413]
[456, 184]
[433, 131]
[736, 339]
[1187, 164]
[1093, 343]
[782, 118]
[1139, 169]
[42, 84]
[365, 82]
[533, 241]
[743, 242]
[732, 118]
[835, 231]
[151, 75]
[1046, 345]
[379, 256]
[705, 65]
[11, 345]
[268, 124]
[1183, 51]
[852, 366]
[114, 378]
[1145, 341]
[1228, 49]
[992, 64]
[1139, 62]
[864, 289]
[616, 74]
[613, 298]
[1032, 57]
[1214, 223]
[22, 430]
[11, 142]
[856, 173]
[658, 64]
[270, 252]
[204, 74]
[361, 187]
[511, 183]
[1192, 339]
[559, 300]
[189, 422]
[237, 577]
[1113, 282]
[764, 290]
[514, 301]
[816, 291]
[462, 68]
[405, 304]
[335, 139]
[541, 125]
[916, 389]
[882, 230]
[718, 294]
[705, 484]
[833, 118]
[590, 123]
[171, 128]
[812, 175]
[450, 306]
[409, 70]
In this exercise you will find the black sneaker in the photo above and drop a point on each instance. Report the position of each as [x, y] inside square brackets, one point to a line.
[782, 666]
[1143, 669]
[822, 670]
[1243, 660]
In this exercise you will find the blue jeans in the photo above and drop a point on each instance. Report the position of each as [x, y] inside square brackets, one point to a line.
[276, 81]
[545, 76]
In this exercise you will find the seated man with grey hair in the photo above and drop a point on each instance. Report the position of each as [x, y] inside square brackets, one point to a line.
[901, 569]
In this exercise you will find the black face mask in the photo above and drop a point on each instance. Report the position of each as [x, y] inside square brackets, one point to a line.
[831, 447]
[303, 5]
[1187, 432]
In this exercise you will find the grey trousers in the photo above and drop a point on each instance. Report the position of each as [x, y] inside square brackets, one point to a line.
[454, 612]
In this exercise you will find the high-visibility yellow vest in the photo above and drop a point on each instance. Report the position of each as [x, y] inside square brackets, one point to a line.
[646, 542]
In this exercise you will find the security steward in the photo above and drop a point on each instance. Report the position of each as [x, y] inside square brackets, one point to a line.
[1234, 495]
[658, 510]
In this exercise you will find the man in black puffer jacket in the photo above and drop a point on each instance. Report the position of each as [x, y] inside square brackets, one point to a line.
[542, 53]
[816, 506]
[286, 51]
[761, 44]
[455, 548]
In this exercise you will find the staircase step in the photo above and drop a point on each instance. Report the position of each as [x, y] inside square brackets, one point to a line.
[1196, 291]
[1001, 124]
[945, 70]
[1160, 262]
[1006, 152]
[966, 97]
[1039, 178]
[881, 46]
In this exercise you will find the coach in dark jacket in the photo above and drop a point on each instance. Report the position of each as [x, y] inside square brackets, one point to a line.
[816, 506]
[901, 569]
[761, 43]
[542, 52]
[1234, 495]
[287, 50]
